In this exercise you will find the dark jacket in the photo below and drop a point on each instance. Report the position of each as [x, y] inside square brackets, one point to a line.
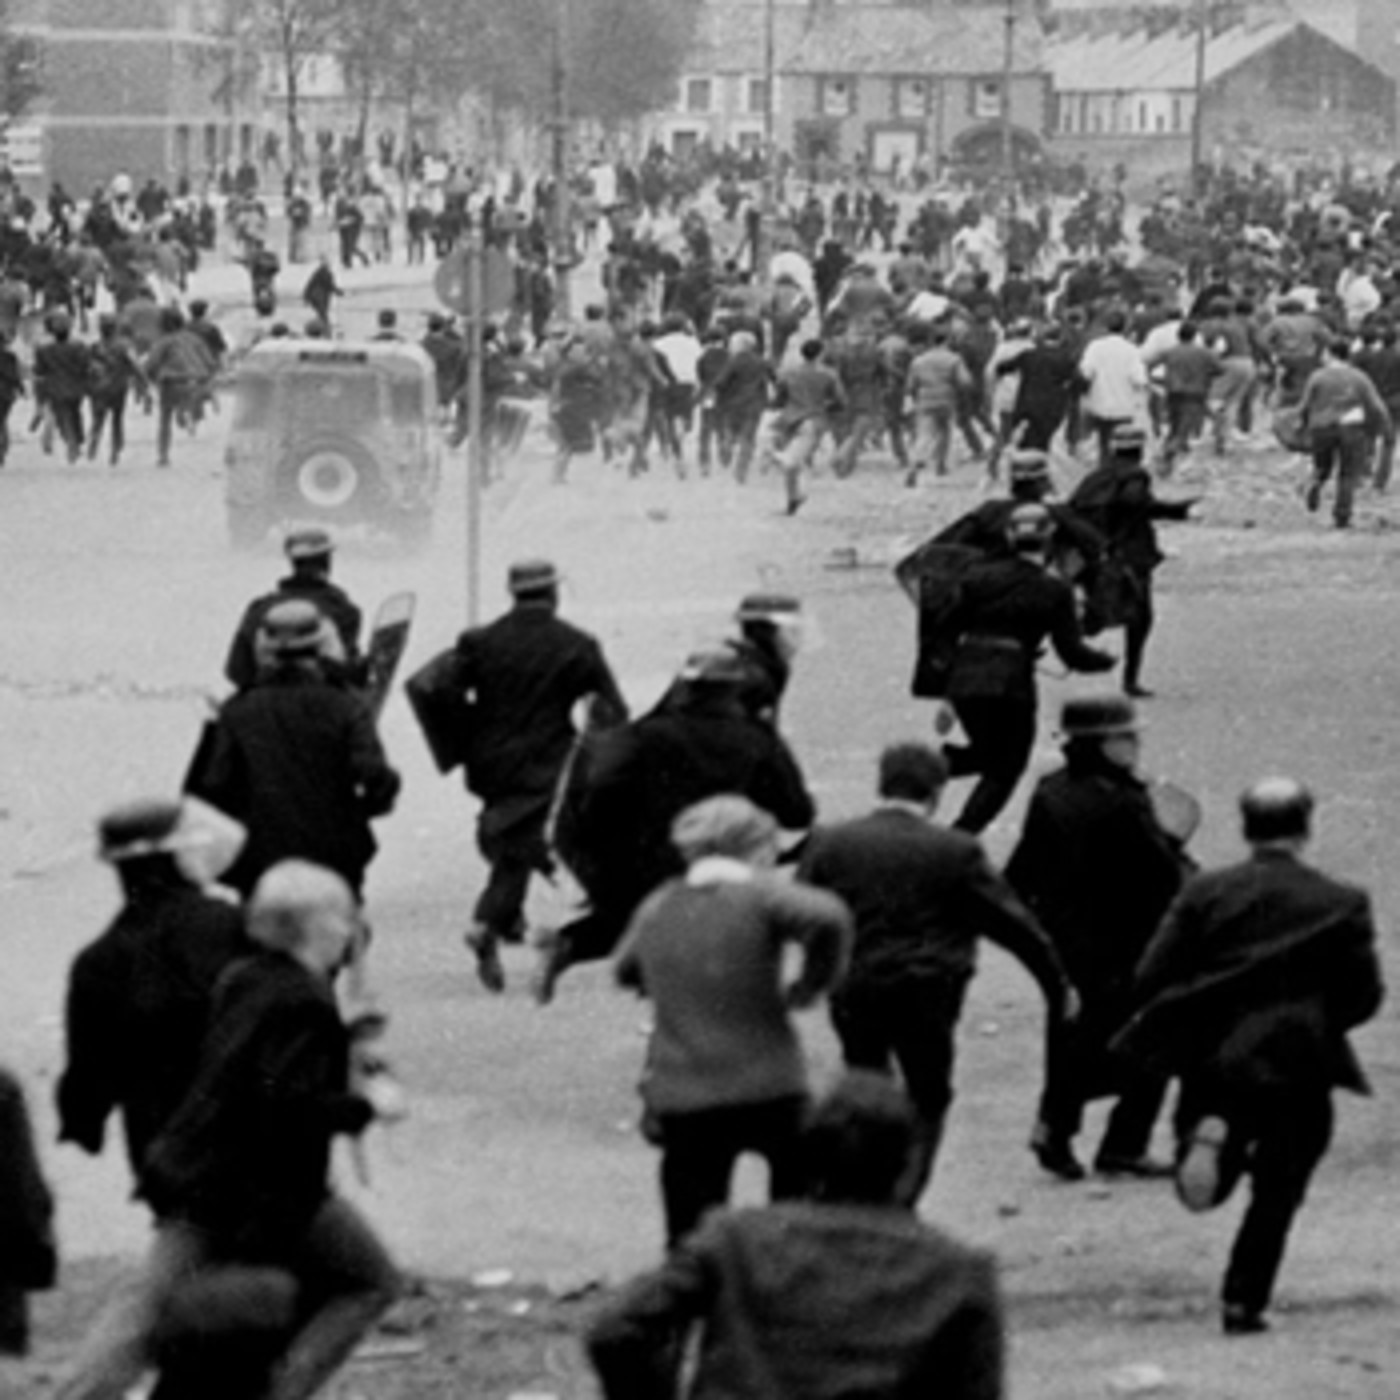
[28, 1253]
[922, 896]
[984, 527]
[247, 1155]
[1005, 611]
[1099, 873]
[646, 773]
[296, 759]
[1256, 975]
[137, 1009]
[241, 667]
[62, 371]
[1049, 380]
[1117, 500]
[522, 676]
[807, 1300]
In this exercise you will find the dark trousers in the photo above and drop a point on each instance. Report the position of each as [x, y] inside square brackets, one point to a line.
[1277, 1139]
[513, 858]
[700, 1150]
[1000, 734]
[174, 401]
[1137, 629]
[1345, 450]
[1037, 429]
[911, 1023]
[1076, 1073]
[1103, 429]
[108, 408]
[68, 420]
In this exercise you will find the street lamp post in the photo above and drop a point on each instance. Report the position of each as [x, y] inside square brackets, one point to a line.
[1008, 164]
[768, 200]
[1197, 117]
[563, 241]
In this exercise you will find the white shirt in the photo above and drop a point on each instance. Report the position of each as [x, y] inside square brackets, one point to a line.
[682, 353]
[1117, 378]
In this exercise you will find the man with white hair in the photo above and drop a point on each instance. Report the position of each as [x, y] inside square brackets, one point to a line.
[725, 1071]
[239, 1176]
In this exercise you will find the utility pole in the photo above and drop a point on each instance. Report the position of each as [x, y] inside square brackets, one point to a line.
[563, 234]
[767, 205]
[1197, 116]
[1008, 155]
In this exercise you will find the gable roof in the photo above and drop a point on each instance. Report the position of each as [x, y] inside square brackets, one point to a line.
[1137, 62]
[885, 39]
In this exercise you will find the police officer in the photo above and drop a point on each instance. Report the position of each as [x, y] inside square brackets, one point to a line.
[310, 551]
[1005, 610]
[1099, 871]
[1117, 499]
[521, 677]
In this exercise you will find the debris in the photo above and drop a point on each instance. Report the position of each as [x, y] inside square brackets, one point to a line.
[493, 1278]
[520, 1307]
[1142, 1378]
[1009, 1210]
[390, 1348]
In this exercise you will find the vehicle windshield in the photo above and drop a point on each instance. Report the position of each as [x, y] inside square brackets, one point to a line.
[345, 401]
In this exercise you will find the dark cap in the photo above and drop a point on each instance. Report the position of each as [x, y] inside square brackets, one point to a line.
[1029, 464]
[761, 607]
[293, 628]
[1029, 522]
[531, 576]
[716, 665]
[308, 543]
[1098, 717]
[1128, 440]
[142, 828]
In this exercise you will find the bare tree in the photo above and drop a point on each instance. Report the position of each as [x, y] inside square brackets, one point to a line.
[289, 33]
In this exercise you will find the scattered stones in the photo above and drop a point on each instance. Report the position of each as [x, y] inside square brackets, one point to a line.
[1142, 1378]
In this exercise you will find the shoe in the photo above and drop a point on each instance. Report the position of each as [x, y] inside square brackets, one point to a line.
[1312, 497]
[481, 942]
[553, 959]
[794, 504]
[1137, 692]
[1198, 1174]
[1237, 1320]
[1144, 1167]
[1056, 1156]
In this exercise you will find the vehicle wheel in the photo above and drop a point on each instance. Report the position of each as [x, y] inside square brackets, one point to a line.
[333, 479]
[247, 527]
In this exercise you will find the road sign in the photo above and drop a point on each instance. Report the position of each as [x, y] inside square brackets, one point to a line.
[452, 281]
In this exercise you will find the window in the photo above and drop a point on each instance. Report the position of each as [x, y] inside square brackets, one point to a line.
[1066, 107]
[1176, 114]
[757, 104]
[838, 97]
[749, 140]
[698, 94]
[986, 98]
[1142, 116]
[911, 97]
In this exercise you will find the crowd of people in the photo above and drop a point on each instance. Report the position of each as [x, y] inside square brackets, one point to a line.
[225, 1013]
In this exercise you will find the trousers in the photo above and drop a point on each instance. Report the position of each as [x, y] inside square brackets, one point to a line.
[1001, 735]
[1276, 1138]
[699, 1151]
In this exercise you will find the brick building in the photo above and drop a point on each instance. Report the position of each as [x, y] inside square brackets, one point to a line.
[133, 86]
